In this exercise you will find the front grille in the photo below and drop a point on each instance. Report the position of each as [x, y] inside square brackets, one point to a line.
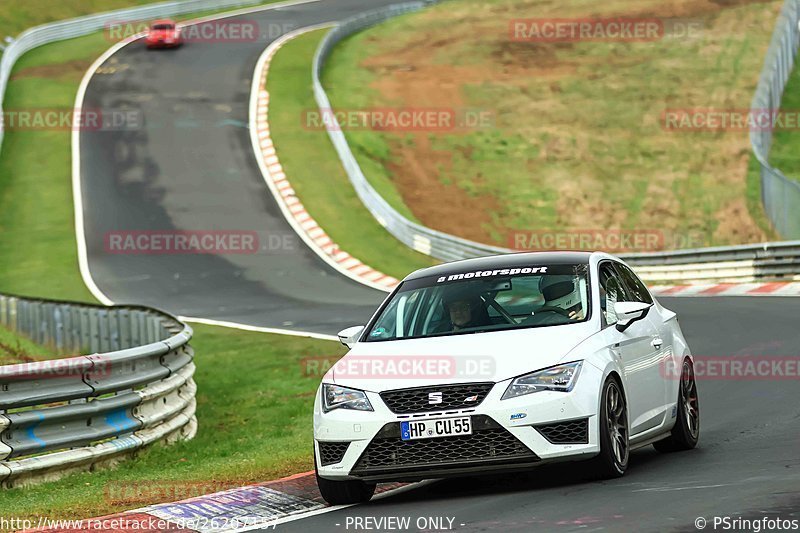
[572, 432]
[403, 401]
[489, 441]
[332, 452]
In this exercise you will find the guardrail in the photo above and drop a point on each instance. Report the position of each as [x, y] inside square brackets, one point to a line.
[779, 194]
[744, 263]
[734, 263]
[87, 411]
[68, 29]
[418, 237]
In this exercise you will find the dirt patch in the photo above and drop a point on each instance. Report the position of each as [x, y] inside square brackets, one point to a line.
[77, 67]
[420, 172]
[735, 223]
[14, 354]
[568, 108]
[445, 207]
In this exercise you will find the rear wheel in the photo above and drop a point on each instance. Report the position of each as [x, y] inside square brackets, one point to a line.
[614, 445]
[686, 432]
[343, 492]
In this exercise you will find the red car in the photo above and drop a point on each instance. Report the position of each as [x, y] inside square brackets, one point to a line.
[163, 34]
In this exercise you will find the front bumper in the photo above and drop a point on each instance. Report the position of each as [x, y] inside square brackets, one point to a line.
[163, 44]
[513, 434]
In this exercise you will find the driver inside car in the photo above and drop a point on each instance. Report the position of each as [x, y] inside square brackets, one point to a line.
[562, 296]
[465, 310]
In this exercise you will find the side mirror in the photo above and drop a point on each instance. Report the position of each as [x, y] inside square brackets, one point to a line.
[349, 336]
[629, 312]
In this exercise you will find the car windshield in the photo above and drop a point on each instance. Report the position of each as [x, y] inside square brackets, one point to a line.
[163, 26]
[488, 300]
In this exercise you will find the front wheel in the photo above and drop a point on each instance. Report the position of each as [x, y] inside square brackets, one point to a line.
[344, 492]
[614, 444]
[686, 432]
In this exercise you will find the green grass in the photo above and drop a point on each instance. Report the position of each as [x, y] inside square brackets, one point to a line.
[314, 169]
[16, 348]
[370, 150]
[578, 141]
[38, 254]
[253, 401]
[785, 151]
[753, 194]
[23, 15]
[254, 425]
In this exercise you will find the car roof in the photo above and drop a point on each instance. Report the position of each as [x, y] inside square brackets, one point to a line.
[522, 259]
[162, 21]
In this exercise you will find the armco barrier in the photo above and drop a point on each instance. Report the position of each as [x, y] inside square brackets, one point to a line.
[732, 264]
[781, 196]
[81, 412]
[68, 29]
[425, 240]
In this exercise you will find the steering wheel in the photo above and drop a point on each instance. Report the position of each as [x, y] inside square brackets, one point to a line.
[554, 309]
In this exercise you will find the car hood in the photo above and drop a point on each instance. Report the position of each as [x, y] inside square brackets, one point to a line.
[476, 357]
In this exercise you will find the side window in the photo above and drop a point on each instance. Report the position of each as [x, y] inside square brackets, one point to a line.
[635, 288]
[610, 292]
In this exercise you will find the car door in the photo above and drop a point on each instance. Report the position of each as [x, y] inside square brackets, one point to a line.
[634, 351]
[644, 349]
[663, 341]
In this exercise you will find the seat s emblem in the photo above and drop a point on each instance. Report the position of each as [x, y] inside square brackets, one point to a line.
[434, 398]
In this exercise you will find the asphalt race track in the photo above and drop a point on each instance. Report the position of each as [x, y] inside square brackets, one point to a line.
[746, 465]
[192, 168]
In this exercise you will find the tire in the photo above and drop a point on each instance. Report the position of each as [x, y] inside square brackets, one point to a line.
[686, 433]
[344, 492]
[612, 462]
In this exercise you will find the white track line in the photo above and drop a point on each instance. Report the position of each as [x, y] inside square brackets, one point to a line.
[259, 329]
[77, 199]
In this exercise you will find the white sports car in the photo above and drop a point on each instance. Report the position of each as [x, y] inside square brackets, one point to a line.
[504, 363]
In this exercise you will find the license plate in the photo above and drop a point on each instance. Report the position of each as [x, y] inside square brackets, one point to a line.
[431, 429]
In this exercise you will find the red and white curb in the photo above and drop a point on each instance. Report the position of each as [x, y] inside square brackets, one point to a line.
[729, 289]
[264, 505]
[303, 223]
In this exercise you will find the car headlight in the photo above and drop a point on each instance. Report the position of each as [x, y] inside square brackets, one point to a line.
[336, 397]
[557, 378]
